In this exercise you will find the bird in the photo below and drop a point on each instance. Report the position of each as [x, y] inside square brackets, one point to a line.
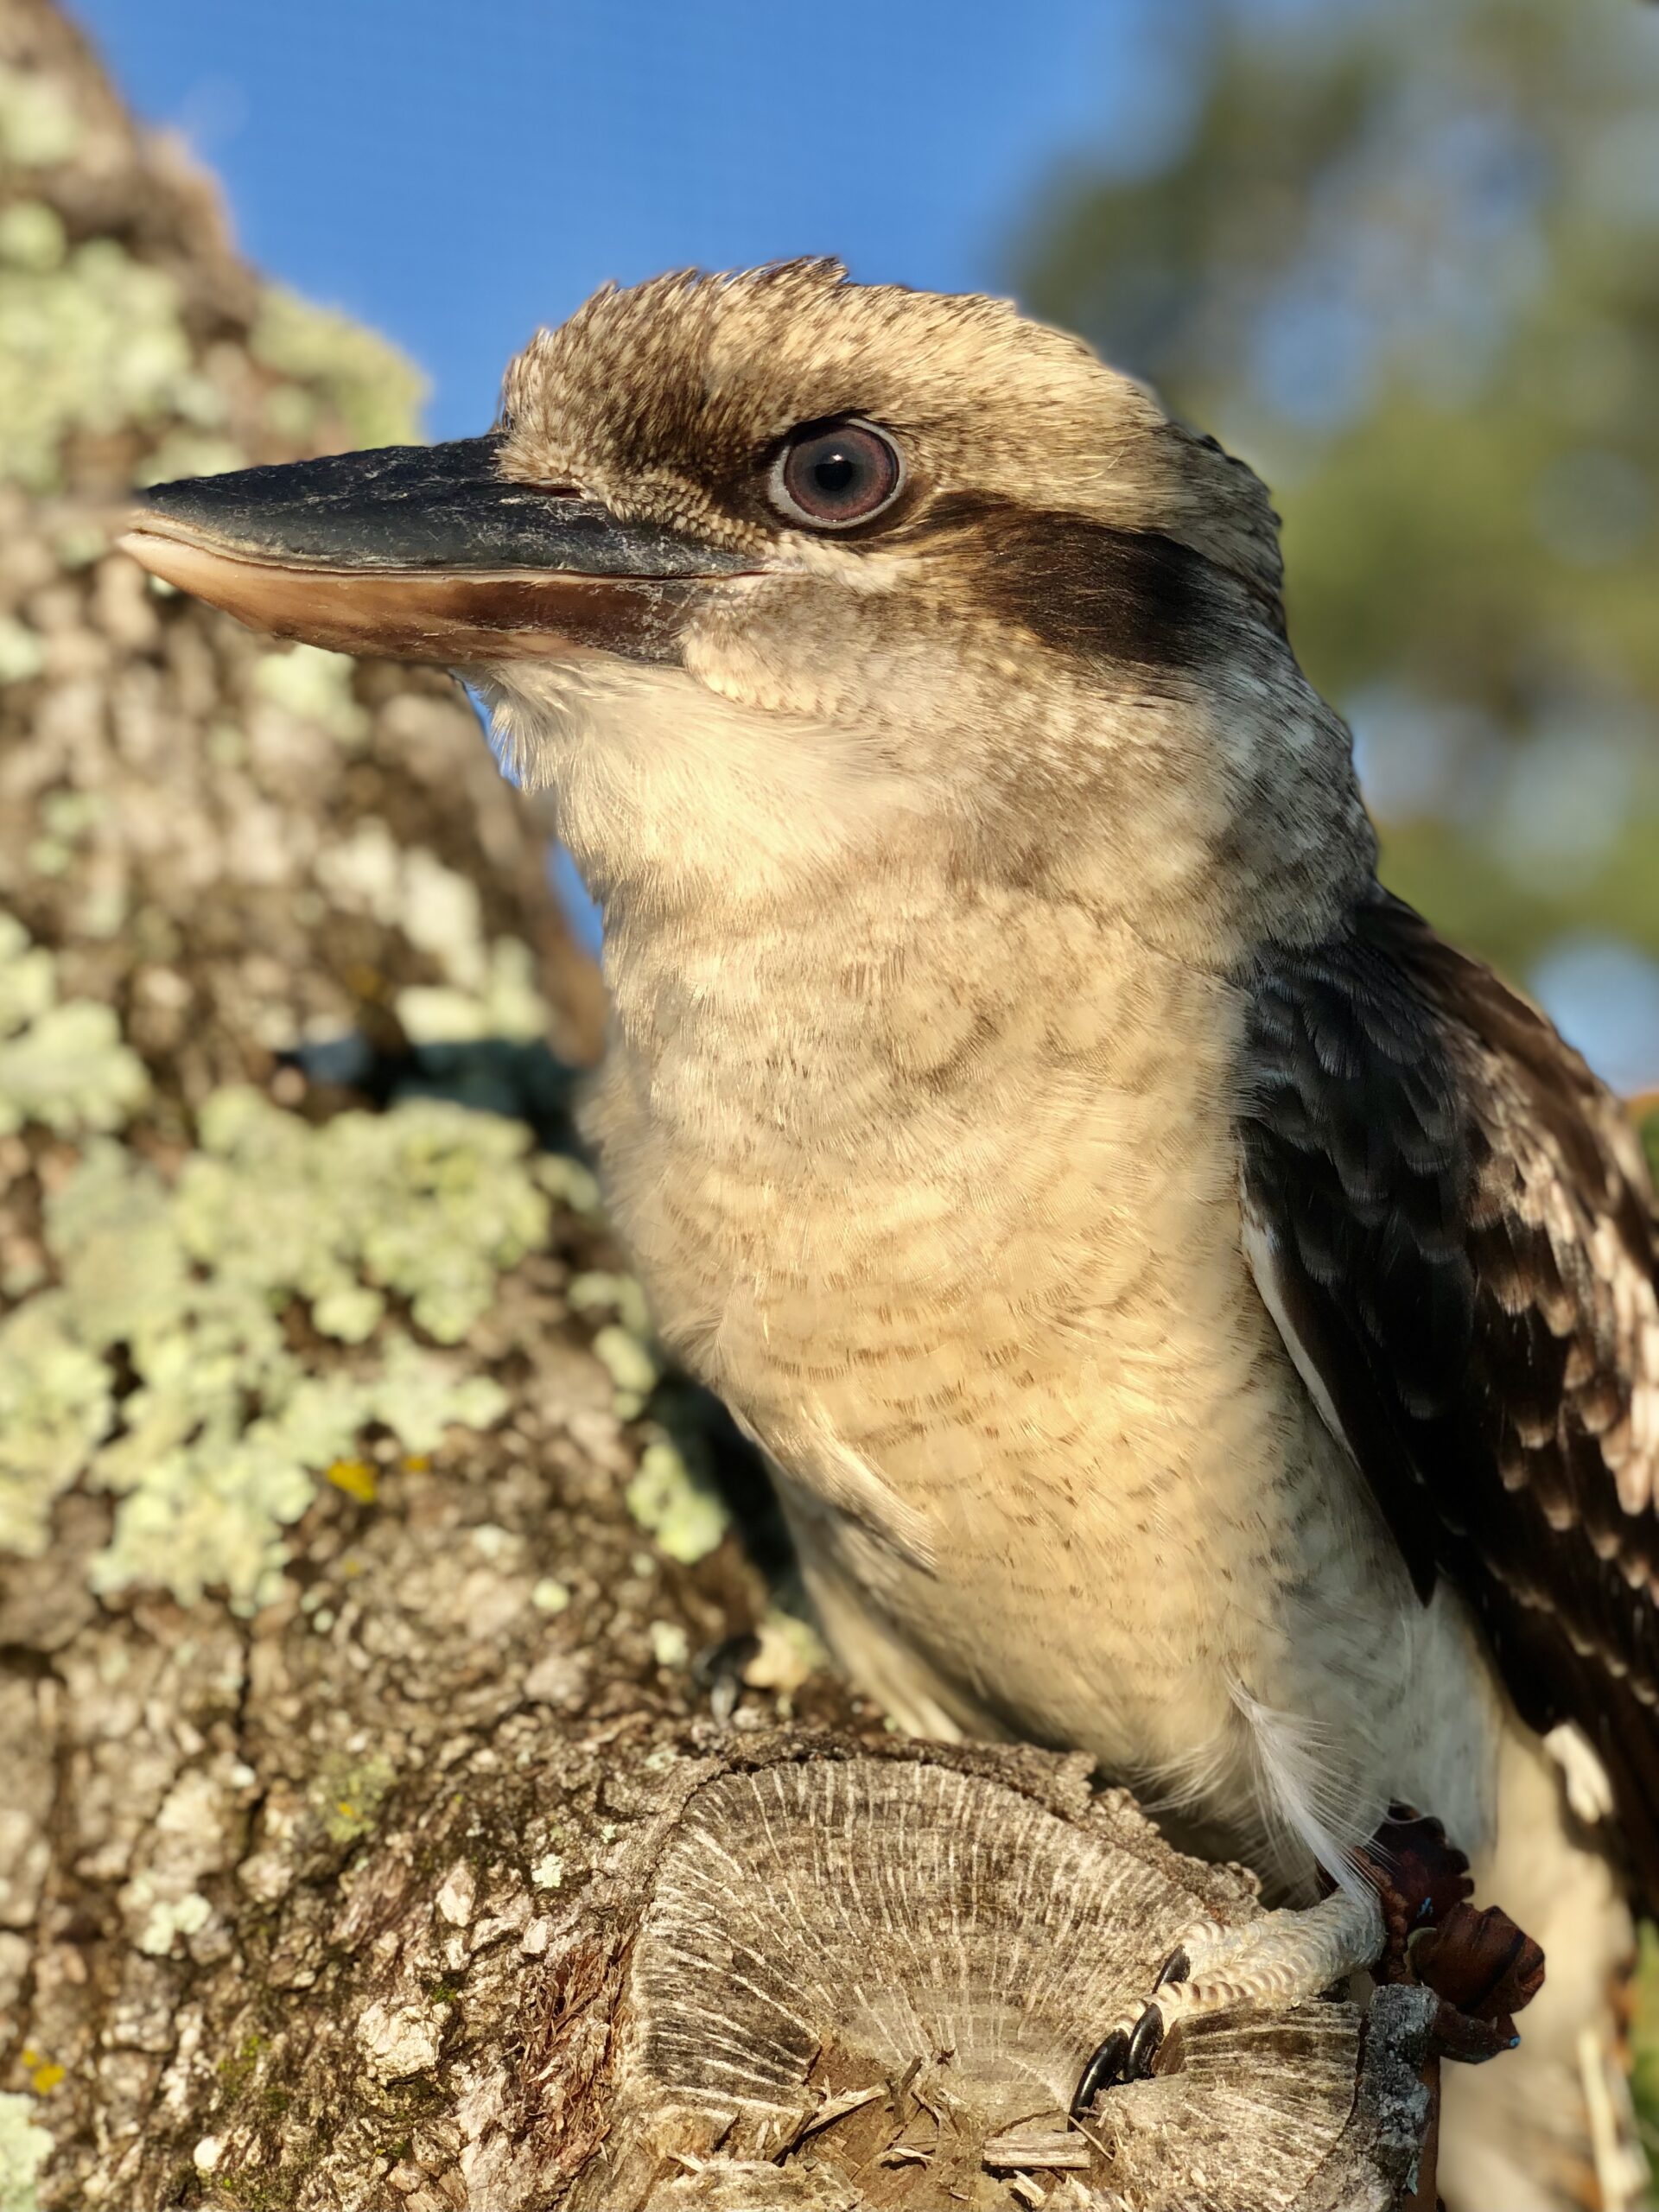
[1194, 1315]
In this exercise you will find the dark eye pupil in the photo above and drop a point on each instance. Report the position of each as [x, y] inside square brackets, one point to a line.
[834, 476]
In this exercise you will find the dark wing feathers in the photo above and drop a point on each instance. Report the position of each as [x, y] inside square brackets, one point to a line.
[1453, 1224]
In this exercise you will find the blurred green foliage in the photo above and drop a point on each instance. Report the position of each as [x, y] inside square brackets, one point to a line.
[1403, 255]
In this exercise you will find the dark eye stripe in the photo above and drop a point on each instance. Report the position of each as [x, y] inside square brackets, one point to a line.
[1132, 597]
[830, 475]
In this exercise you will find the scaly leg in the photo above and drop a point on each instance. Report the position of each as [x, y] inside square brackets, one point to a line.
[1406, 1917]
[1281, 1959]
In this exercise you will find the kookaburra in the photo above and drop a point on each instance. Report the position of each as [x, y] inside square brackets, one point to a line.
[1194, 1314]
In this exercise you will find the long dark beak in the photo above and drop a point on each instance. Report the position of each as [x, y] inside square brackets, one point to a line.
[425, 553]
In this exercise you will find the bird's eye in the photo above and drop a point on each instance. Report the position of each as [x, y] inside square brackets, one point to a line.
[831, 475]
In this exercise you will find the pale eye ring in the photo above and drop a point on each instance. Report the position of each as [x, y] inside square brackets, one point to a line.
[834, 475]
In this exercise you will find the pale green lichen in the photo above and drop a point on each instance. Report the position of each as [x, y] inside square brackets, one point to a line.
[488, 988]
[547, 1872]
[38, 126]
[78, 545]
[189, 452]
[550, 1595]
[349, 1792]
[629, 1363]
[70, 815]
[429, 1202]
[220, 1447]
[93, 340]
[375, 392]
[69, 1071]
[443, 913]
[62, 1064]
[291, 413]
[623, 1294]
[669, 1645]
[32, 236]
[508, 1004]
[24, 2149]
[167, 1920]
[48, 856]
[22, 652]
[56, 1403]
[28, 977]
[687, 1518]
[568, 1181]
[316, 685]
[95, 344]
[623, 1347]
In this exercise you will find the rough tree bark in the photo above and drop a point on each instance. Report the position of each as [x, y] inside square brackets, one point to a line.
[366, 1839]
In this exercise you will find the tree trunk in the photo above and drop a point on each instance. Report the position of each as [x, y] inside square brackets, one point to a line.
[366, 1839]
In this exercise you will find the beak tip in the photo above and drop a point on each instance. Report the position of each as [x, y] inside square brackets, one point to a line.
[165, 558]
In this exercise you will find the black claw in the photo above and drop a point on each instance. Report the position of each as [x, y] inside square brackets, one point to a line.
[1145, 2045]
[1105, 2070]
[1176, 1968]
[719, 1670]
[1122, 2057]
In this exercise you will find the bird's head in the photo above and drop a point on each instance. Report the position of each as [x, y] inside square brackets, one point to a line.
[764, 572]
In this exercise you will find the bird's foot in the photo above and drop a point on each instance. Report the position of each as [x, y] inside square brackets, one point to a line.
[1482, 1967]
[1407, 1918]
[1281, 1959]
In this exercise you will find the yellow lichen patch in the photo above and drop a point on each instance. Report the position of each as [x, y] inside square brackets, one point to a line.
[356, 1477]
[348, 1794]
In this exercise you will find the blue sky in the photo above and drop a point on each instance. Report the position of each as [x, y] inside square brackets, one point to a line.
[457, 172]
